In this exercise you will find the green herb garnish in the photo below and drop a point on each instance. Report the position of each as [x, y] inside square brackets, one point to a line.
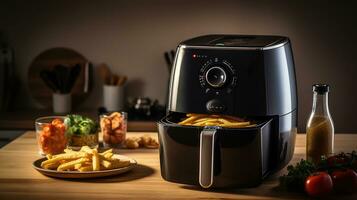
[295, 179]
[80, 125]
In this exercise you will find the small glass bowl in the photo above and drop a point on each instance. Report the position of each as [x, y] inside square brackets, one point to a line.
[75, 142]
[113, 129]
[51, 134]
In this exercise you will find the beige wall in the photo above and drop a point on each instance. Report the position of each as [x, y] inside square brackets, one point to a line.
[131, 36]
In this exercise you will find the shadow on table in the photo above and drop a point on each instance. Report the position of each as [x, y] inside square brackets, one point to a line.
[258, 191]
[140, 171]
[266, 191]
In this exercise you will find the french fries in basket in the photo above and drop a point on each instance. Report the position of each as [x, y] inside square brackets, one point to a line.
[215, 120]
[86, 159]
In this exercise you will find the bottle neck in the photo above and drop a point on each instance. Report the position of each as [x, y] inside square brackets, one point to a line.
[320, 104]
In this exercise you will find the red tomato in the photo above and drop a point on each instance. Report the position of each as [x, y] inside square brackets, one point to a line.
[337, 159]
[344, 181]
[56, 122]
[318, 184]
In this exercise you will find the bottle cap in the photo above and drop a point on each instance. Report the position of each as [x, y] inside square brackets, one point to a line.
[320, 88]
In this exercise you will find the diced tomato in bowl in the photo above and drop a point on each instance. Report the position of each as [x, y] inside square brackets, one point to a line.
[51, 134]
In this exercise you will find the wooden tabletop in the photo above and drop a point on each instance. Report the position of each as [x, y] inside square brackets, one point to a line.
[18, 180]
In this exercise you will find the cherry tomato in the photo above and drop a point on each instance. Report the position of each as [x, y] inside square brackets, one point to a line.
[344, 181]
[319, 184]
[337, 160]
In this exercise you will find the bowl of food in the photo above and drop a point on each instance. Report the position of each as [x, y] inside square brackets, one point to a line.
[113, 127]
[81, 131]
[51, 134]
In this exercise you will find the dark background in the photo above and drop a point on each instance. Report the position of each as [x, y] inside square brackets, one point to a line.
[131, 37]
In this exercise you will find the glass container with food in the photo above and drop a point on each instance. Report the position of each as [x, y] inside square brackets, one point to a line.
[51, 134]
[81, 131]
[113, 128]
[319, 128]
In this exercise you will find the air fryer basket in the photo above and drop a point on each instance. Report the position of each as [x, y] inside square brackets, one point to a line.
[213, 156]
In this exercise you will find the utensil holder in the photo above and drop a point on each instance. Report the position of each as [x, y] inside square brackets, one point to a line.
[113, 97]
[62, 103]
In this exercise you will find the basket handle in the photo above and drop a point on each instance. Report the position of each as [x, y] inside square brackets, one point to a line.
[206, 165]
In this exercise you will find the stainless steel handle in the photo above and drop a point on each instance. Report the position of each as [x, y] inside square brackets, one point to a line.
[207, 143]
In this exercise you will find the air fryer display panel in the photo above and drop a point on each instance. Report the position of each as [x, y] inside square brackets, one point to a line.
[223, 81]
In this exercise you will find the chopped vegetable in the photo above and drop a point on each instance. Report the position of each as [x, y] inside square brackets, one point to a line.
[81, 131]
[80, 125]
[52, 138]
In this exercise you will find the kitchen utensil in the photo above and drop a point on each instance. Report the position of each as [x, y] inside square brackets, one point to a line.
[61, 77]
[114, 79]
[104, 73]
[122, 80]
[113, 97]
[86, 77]
[46, 76]
[73, 75]
[62, 103]
[169, 59]
[90, 174]
[251, 77]
[172, 57]
[47, 60]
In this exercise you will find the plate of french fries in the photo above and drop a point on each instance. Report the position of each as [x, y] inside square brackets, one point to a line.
[215, 120]
[85, 163]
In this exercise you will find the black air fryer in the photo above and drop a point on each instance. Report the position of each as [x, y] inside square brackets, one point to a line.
[246, 76]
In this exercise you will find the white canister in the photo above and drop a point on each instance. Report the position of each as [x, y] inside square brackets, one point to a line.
[113, 97]
[62, 103]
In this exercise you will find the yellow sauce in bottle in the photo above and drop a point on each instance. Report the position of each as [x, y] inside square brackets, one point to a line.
[319, 128]
[319, 138]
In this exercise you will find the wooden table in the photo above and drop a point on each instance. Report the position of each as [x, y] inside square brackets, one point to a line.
[18, 180]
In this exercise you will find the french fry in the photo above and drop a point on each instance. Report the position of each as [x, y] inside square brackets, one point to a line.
[51, 165]
[215, 120]
[86, 159]
[69, 151]
[206, 119]
[95, 160]
[71, 164]
[106, 164]
[65, 156]
[106, 152]
[119, 163]
[86, 149]
[187, 120]
[77, 166]
[85, 169]
[108, 155]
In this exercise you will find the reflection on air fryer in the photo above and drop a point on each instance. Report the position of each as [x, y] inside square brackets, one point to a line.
[216, 120]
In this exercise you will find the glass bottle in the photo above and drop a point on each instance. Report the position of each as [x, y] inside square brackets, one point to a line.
[319, 128]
